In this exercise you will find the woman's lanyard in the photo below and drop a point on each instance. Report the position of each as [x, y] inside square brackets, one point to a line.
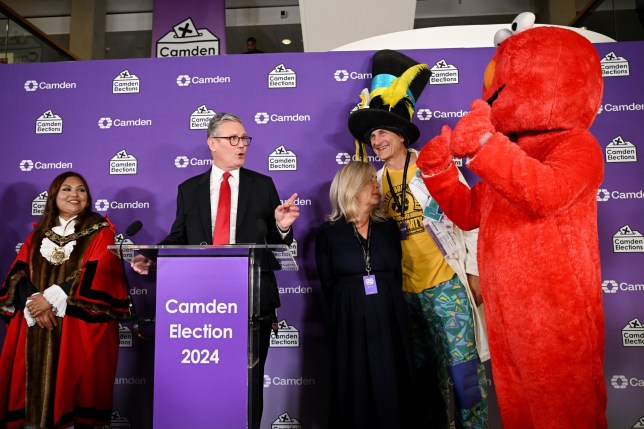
[369, 281]
[400, 204]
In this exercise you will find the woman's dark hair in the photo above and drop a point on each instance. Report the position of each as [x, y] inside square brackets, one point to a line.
[49, 217]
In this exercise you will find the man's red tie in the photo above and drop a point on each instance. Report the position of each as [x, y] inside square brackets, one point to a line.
[222, 224]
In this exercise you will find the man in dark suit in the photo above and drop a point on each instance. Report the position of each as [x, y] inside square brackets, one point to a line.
[255, 216]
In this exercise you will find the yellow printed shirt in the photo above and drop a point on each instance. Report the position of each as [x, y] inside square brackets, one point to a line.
[423, 264]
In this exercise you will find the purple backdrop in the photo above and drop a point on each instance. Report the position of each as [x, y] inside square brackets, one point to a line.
[135, 129]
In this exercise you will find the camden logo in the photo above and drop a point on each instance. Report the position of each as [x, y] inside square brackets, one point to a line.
[262, 118]
[603, 195]
[620, 150]
[200, 118]
[185, 80]
[284, 421]
[49, 123]
[443, 74]
[343, 158]
[295, 290]
[38, 204]
[282, 77]
[102, 205]
[123, 163]
[424, 114]
[279, 381]
[633, 334]
[32, 85]
[613, 65]
[126, 83]
[627, 240]
[117, 421]
[621, 382]
[286, 336]
[107, 123]
[185, 40]
[183, 161]
[125, 336]
[26, 165]
[344, 75]
[282, 159]
[610, 286]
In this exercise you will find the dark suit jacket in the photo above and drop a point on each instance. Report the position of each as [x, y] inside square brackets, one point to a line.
[256, 205]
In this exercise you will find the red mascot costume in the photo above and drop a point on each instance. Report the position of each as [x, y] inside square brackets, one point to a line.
[537, 212]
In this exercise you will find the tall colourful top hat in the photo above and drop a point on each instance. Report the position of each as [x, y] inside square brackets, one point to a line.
[397, 82]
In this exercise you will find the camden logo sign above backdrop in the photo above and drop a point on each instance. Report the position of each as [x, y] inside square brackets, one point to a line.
[136, 129]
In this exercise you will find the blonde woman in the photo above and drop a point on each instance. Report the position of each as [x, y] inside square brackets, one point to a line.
[358, 256]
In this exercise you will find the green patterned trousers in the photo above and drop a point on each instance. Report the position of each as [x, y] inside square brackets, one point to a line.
[442, 334]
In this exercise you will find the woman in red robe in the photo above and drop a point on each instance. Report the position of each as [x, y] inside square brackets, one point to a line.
[63, 298]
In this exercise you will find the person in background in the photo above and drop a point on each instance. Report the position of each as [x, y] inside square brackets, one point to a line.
[440, 273]
[251, 212]
[358, 258]
[62, 299]
[251, 46]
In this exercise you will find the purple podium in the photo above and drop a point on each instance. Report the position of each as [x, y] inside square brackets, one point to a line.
[206, 343]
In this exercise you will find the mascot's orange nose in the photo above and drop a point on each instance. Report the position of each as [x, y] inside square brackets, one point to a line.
[488, 77]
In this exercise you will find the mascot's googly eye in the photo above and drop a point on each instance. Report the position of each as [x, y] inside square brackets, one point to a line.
[524, 21]
[501, 35]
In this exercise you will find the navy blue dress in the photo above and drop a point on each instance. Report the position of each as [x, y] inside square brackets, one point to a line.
[370, 383]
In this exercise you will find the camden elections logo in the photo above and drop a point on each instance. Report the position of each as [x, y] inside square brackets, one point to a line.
[38, 204]
[49, 123]
[282, 159]
[128, 253]
[117, 421]
[282, 77]
[123, 163]
[126, 83]
[443, 74]
[633, 334]
[200, 118]
[284, 421]
[185, 40]
[125, 336]
[627, 240]
[287, 336]
[613, 65]
[620, 150]
[639, 424]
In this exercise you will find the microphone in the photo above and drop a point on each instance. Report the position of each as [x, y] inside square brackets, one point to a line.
[261, 228]
[134, 227]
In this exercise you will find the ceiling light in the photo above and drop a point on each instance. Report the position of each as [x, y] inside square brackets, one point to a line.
[286, 41]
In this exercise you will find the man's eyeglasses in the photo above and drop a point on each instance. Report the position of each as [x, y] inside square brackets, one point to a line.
[235, 140]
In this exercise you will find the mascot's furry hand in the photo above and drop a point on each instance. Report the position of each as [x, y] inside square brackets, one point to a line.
[472, 131]
[435, 156]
